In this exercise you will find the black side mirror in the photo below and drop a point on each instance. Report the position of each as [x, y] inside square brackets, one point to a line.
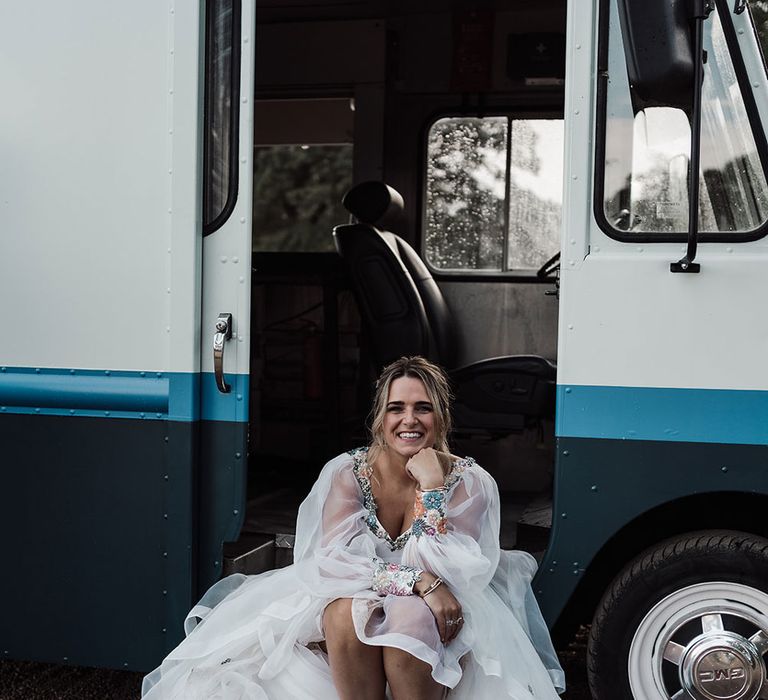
[659, 48]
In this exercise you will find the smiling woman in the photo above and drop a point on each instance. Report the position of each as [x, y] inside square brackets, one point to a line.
[409, 420]
[412, 396]
[398, 585]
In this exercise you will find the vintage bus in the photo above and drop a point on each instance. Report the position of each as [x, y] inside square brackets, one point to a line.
[574, 225]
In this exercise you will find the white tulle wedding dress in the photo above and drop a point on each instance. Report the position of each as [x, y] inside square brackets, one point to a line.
[256, 637]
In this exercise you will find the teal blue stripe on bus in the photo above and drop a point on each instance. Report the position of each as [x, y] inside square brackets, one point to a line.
[176, 396]
[231, 407]
[727, 416]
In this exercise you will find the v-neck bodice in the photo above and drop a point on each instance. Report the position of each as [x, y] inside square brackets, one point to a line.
[364, 471]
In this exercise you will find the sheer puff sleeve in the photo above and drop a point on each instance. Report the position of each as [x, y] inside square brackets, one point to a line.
[456, 530]
[457, 538]
[334, 547]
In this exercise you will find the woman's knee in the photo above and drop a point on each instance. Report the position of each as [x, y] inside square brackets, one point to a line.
[337, 619]
[395, 658]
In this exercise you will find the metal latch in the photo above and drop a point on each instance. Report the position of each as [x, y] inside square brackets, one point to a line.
[223, 333]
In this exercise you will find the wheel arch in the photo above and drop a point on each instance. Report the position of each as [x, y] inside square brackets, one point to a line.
[731, 510]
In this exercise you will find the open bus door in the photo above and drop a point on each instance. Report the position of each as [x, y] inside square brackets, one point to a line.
[226, 311]
[661, 432]
[102, 384]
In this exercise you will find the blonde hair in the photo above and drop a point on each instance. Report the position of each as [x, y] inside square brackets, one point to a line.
[436, 385]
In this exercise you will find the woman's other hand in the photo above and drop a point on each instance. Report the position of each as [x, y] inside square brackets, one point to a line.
[444, 606]
[426, 468]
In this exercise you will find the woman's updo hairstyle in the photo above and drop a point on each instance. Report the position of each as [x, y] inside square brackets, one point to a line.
[436, 385]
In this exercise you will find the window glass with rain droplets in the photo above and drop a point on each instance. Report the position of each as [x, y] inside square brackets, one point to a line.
[759, 12]
[646, 162]
[494, 193]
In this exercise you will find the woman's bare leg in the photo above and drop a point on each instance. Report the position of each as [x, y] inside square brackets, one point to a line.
[357, 668]
[410, 678]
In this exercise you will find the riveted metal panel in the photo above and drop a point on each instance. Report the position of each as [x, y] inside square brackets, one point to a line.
[98, 538]
[603, 485]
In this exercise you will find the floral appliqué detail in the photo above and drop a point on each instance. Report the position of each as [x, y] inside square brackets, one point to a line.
[430, 521]
[429, 513]
[363, 473]
[394, 579]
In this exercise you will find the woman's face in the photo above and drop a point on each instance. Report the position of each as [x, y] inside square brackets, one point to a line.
[409, 421]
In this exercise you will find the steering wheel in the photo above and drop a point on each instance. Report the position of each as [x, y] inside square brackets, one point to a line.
[550, 267]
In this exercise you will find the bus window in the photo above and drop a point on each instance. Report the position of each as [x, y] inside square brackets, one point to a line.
[646, 156]
[759, 11]
[494, 193]
[302, 168]
[222, 92]
[297, 191]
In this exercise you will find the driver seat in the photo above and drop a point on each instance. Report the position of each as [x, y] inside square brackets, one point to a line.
[404, 313]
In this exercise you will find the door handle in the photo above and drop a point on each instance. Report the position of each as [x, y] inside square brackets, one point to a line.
[223, 333]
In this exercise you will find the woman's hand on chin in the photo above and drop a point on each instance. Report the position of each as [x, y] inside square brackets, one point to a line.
[425, 467]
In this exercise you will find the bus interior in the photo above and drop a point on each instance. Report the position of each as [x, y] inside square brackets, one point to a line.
[458, 106]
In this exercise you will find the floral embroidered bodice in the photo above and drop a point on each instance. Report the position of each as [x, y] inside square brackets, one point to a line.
[429, 507]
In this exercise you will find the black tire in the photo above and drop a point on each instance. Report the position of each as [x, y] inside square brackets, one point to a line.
[669, 567]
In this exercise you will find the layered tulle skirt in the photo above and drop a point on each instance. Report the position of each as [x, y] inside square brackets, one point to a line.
[258, 638]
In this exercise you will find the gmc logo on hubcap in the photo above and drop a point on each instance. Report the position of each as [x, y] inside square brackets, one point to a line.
[724, 674]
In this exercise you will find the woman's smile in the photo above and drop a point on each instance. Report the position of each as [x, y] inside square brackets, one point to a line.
[409, 423]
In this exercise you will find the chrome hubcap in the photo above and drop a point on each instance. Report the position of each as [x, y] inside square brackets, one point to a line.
[702, 642]
[721, 666]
